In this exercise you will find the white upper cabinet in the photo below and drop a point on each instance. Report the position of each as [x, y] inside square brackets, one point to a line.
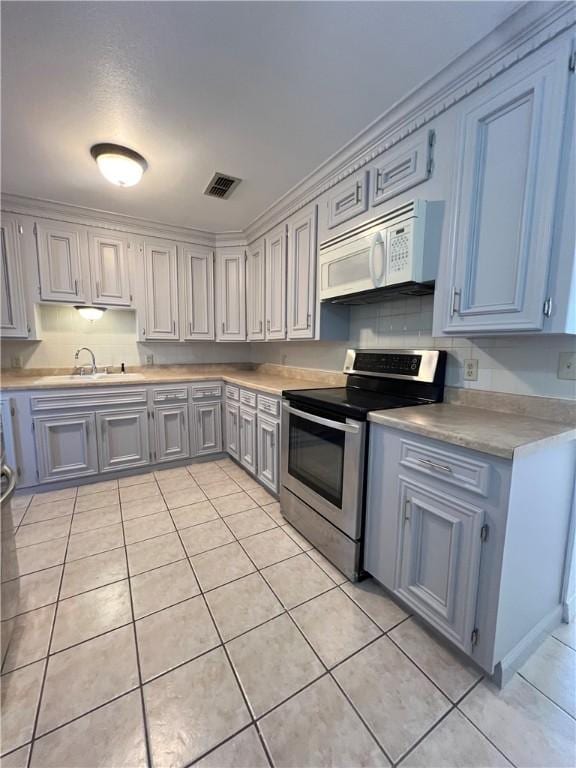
[349, 199]
[402, 167]
[161, 280]
[62, 262]
[276, 283]
[255, 291]
[302, 274]
[505, 198]
[109, 273]
[231, 296]
[14, 323]
[197, 292]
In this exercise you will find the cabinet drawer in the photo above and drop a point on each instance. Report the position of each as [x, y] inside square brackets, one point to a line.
[248, 398]
[209, 390]
[171, 394]
[449, 466]
[269, 405]
[67, 400]
[232, 393]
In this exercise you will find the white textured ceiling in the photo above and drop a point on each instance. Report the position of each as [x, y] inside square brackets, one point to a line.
[263, 91]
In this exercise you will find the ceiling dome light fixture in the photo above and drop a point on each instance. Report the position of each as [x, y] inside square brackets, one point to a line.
[90, 313]
[120, 165]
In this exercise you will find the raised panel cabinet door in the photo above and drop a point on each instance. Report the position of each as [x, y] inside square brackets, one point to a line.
[276, 283]
[207, 422]
[505, 198]
[439, 559]
[232, 429]
[62, 261]
[161, 277]
[302, 274]
[123, 439]
[402, 167]
[109, 273]
[349, 199]
[231, 306]
[65, 446]
[268, 452]
[255, 291]
[14, 323]
[197, 276]
[248, 439]
[172, 436]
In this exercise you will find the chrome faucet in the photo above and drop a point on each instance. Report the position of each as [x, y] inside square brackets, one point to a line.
[91, 355]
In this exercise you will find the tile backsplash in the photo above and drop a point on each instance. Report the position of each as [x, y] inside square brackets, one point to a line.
[524, 365]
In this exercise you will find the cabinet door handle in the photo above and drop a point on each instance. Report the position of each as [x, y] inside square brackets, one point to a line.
[454, 301]
[358, 192]
[407, 511]
[97, 289]
[434, 465]
[191, 329]
[76, 287]
[308, 320]
[174, 327]
[268, 325]
[223, 328]
[260, 327]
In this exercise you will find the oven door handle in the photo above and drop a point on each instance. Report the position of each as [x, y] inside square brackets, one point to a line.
[352, 428]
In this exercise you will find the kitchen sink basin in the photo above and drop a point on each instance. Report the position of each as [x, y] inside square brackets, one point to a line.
[94, 377]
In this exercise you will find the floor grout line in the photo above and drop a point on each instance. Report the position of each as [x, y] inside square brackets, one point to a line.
[550, 699]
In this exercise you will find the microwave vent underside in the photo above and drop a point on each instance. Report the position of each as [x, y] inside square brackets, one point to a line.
[375, 295]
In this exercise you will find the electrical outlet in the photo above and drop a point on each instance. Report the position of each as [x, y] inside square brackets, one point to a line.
[567, 366]
[16, 361]
[149, 359]
[471, 369]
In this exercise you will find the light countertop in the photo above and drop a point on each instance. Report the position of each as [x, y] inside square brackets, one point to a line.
[479, 429]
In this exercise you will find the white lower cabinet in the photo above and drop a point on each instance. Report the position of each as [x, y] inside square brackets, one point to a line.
[207, 427]
[123, 439]
[248, 439]
[65, 446]
[232, 428]
[171, 432]
[268, 447]
[439, 558]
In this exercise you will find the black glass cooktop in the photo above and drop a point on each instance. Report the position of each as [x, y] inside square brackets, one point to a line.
[355, 403]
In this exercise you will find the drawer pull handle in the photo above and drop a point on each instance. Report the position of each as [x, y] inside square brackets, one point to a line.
[434, 465]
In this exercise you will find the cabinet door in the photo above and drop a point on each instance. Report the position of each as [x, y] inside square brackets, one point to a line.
[248, 439]
[123, 439]
[14, 323]
[207, 423]
[402, 167]
[276, 284]
[255, 292]
[268, 447]
[161, 275]
[62, 262]
[109, 269]
[231, 307]
[197, 278]
[232, 423]
[507, 172]
[439, 559]
[302, 274]
[65, 446]
[349, 199]
[172, 437]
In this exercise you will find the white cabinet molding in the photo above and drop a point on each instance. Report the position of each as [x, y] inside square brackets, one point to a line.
[197, 292]
[302, 245]
[62, 262]
[255, 291]
[161, 281]
[109, 273]
[231, 296]
[276, 284]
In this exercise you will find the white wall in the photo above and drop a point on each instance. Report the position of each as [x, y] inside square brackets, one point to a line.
[113, 340]
[525, 365]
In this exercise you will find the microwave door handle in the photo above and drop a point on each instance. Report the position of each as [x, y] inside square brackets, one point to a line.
[352, 428]
[377, 280]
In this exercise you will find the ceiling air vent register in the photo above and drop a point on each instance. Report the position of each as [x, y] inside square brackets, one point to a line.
[221, 185]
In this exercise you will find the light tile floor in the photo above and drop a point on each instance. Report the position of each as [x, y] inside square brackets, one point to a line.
[174, 618]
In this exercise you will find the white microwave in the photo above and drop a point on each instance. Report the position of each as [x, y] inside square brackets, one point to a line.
[384, 255]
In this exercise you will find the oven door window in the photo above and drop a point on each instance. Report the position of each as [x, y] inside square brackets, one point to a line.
[316, 458]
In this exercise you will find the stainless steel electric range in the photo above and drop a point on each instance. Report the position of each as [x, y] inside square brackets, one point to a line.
[325, 439]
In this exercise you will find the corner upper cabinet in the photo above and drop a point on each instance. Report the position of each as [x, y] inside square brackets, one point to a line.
[302, 274]
[276, 283]
[255, 291]
[506, 184]
[197, 298]
[14, 322]
[109, 273]
[161, 291]
[62, 262]
[231, 295]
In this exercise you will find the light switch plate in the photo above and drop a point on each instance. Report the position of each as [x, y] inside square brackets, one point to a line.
[471, 369]
[567, 366]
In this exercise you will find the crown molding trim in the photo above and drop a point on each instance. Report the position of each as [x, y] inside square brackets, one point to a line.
[531, 27]
[92, 217]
